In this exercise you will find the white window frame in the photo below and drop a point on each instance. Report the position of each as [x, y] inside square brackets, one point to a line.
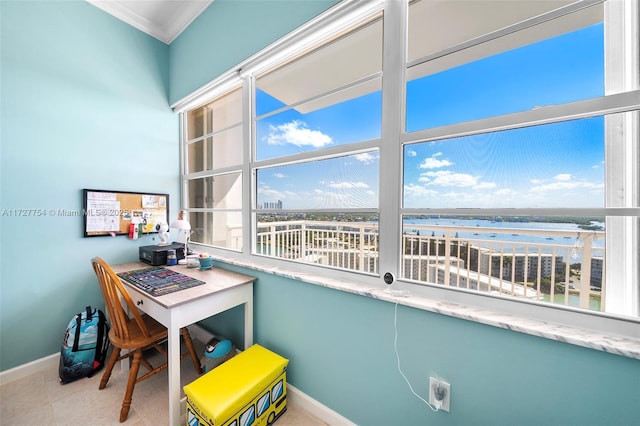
[344, 15]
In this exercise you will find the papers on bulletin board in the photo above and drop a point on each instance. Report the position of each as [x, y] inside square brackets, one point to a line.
[103, 215]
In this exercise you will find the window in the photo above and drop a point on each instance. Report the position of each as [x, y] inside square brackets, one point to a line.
[470, 147]
[213, 171]
[318, 129]
[536, 221]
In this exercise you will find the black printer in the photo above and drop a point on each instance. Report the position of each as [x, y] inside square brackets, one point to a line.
[157, 255]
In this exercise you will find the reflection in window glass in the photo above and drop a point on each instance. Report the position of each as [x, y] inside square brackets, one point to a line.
[220, 150]
[343, 182]
[222, 113]
[222, 191]
[555, 165]
[219, 229]
[558, 70]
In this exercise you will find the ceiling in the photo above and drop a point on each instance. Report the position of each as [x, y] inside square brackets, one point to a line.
[162, 19]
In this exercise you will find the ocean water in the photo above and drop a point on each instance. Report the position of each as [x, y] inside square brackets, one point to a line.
[507, 231]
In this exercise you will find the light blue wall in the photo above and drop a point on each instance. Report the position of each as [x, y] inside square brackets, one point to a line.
[341, 352]
[230, 31]
[84, 105]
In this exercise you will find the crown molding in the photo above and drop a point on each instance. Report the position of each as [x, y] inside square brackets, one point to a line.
[170, 17]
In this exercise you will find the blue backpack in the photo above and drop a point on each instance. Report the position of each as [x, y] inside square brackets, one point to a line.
[84, 345]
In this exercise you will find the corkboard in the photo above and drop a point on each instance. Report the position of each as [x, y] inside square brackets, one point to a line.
[110, 213]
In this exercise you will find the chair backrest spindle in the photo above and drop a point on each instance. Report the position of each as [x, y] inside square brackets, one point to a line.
[114, 293]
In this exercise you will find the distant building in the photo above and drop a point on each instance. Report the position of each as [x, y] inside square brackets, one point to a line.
[518, 266]
[596, 272]
[274, 205]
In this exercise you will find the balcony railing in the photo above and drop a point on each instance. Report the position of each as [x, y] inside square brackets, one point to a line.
[557, 266]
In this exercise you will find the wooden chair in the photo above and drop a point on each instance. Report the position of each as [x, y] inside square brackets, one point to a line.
[134, 335]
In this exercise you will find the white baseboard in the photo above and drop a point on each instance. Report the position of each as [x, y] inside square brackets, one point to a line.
[29, 368]
[300, 399]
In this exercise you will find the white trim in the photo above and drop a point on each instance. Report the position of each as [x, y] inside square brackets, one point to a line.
[167, 30]
[334, 20]
[29, 368]
[300, 399]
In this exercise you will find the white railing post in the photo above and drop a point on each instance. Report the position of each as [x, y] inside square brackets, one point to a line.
[447, 258]
[272, 240]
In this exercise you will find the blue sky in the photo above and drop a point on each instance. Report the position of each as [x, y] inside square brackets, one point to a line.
[558, 165]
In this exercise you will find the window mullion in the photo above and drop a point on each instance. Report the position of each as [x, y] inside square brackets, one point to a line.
[393, 88]
[622, 159]
[248, 112]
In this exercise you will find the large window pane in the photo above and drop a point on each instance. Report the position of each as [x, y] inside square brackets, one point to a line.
[328, 97]
[555, 165]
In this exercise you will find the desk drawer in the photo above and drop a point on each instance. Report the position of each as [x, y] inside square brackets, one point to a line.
[151, 307]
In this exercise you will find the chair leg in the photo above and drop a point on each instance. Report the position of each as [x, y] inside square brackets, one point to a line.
[133, 375]
[115, 354]
[192, 350]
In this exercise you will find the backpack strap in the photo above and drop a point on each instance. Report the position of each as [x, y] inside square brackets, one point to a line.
[76, 336]
[100, 345]
[89, 314]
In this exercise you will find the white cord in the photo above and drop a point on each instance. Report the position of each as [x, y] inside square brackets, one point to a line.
[395, 347]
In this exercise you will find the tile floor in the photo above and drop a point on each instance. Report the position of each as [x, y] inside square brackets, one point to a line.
[40, 399]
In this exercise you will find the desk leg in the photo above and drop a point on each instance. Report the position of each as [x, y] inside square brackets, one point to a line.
[174, 375]
[248, 324]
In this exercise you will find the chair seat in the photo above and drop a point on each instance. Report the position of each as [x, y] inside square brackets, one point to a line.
[137, 339]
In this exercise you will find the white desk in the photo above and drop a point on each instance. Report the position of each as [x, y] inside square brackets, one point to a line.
[222, 290]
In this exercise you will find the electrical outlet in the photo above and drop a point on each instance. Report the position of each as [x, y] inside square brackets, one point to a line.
[439, 394]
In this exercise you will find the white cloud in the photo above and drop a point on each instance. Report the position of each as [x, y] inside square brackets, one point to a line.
[269, 193]
[279, 175]
[413, 190]
[434, 163]
[411, 153]
[448, 178]
[563, 177]
[365, 157]
[485, 185]
[505, 192]
[297, 133]
[347, 185]
[567, 184]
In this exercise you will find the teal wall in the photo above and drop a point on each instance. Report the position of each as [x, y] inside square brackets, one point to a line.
[229, 32]
[84, 105]
[341, 352]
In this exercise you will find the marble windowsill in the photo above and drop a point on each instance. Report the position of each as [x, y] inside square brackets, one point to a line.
[619, 345]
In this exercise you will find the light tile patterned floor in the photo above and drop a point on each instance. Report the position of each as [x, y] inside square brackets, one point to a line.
[40, 399]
